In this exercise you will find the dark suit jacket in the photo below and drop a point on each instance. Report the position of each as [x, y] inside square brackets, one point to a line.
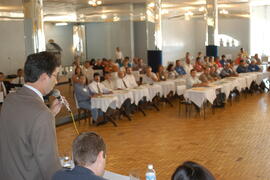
[28, 148]
[78, 173]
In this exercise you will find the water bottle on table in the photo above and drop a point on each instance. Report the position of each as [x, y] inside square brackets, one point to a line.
[150, 174]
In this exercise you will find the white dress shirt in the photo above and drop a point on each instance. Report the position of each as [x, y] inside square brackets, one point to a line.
[108, 84]
[3, 88]
[188, 67]
[97, 88]
[191, 81]
[149, 80]
[131, 81]
[36, 91]
[120, 83]
[17, 80]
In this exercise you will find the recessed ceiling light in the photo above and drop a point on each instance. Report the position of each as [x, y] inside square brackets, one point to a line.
[103, 16]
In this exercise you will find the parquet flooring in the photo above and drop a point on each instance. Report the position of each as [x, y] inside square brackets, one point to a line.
[233, 143]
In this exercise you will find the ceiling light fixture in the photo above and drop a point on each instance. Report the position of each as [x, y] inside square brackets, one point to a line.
[61, 24]
[116, 18]
[94, 3]
[103, 16]
[201, 9]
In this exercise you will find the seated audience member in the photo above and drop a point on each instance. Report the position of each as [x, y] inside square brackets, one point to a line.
[115, 70]
[205, 61]
[19, 80]
[108, 82]
[84, 95]
[5, 86]
[253, 67]
[193, 80]
[226, 71]
[98, 88]
[199, 55]
[92, 62]
[192, 171]
[213, 73]
[130, 78]
[87, 71]
[76, 76]
[172, 74]
[134, 62]
[217, 62]
[120, 82]
[223, 60]
[98, 65]
[179, 68]
[140, 66]
[125, 64]
[188, 66]
[242, 68]
[258, 60]
[162, 75]
[198, 66]
[149, 77]
[232, 69]
[211, 61]
[89, 154]
[205, 76]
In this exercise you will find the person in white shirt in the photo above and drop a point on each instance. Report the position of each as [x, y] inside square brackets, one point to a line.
[108, 82]
[98, 88]
[187, 65]
[88, 71]
[3, 89]
[149, 77]
[120, 82]
[19, 80]
[193, 80]
[130, 78]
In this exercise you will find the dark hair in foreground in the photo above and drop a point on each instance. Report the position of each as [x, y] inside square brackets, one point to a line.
[86, 148]
[39, 63]
[192, 171]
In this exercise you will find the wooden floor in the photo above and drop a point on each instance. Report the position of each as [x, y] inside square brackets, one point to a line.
[234, 143]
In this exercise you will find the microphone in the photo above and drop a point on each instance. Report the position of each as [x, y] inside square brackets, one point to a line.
[56, 93]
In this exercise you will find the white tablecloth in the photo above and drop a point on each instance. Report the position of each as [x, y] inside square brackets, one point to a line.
[153, 90]
[180, 90]
[198, 95]
[167, 87]
[104, 102]
[139, 93]
[122, 95]
[225, 86]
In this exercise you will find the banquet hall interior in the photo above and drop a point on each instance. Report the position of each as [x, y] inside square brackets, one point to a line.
[214, 113]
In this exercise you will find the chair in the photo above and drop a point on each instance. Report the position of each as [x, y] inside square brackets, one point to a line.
[86, 112]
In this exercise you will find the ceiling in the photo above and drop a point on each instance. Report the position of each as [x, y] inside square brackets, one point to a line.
[173, 8]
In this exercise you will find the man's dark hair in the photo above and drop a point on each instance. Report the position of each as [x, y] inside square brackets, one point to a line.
[39, 63]
[96, 74]
[1, 73]
[192, 70]
[192, 171]
[86, 148]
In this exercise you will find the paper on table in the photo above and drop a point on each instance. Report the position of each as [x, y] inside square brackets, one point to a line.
[113, 176]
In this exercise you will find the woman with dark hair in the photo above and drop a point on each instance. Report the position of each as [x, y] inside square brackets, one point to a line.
[162, 74]
[76, 75]
[172, 74]
[192, 171]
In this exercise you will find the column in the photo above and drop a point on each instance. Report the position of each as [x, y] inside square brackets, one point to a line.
[212, 28]
[79, 41]
[33, 26]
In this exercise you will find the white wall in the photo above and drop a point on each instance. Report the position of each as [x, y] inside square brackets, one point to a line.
[178, 38]
[12, 48]
[63, 36]
[103, 38]
[140, 40]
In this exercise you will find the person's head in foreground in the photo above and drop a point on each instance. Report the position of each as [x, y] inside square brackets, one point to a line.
[89, 155]
[192, 171]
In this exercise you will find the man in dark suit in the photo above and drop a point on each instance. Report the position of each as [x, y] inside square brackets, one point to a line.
[28, 148]
[89, 154]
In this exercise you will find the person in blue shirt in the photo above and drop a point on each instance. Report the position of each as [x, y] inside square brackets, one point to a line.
[242, 67]
[253, 67]
[179, 68]
[89, 155]
[223, 60]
